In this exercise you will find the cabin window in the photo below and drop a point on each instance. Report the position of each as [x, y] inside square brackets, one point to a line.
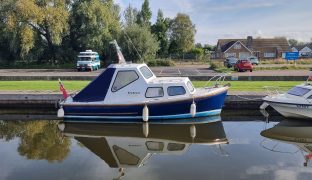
[124, 78]
[153, 92]
[154, 146]
[298, 91]
[175, 147]
[176, 90]
[190, 86]
[146, 72]
[125, 157]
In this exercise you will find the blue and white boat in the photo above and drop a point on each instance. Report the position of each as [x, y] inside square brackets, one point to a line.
[133, 92]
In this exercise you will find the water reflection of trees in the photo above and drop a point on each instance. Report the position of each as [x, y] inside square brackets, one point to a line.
[38, 139]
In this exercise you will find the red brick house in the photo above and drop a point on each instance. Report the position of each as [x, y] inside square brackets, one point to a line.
[263, 48]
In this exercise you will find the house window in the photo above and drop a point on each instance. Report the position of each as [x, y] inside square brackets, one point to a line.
[124, 78]
[153, 92]
[237, 46]
[269, 55]
[230, 55]
[176, 90]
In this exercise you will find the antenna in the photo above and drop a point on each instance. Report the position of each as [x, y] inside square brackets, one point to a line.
[129, 39]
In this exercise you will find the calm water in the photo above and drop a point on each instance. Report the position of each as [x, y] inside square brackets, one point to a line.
[225, 149]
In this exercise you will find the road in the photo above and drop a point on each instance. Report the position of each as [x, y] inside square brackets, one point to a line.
[159, 71]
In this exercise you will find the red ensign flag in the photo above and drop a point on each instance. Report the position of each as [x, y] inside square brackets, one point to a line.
[63, 90]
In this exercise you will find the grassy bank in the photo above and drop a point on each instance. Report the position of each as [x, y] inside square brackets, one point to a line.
[78, 85]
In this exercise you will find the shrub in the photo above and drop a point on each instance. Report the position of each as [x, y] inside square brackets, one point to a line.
[160, 62]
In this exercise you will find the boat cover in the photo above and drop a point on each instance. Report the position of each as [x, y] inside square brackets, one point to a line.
[97, 89]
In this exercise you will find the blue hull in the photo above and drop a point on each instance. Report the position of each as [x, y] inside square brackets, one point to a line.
[205, 106]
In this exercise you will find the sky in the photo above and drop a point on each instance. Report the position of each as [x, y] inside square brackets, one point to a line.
[221, 19]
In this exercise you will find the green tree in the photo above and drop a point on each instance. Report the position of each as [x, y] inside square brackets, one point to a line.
[31, 19]
[293, 42]
[130, 15]
[138, 41]
[93, 24]
[198, 52]
[160, 29]
[145, 15]
[182, 34]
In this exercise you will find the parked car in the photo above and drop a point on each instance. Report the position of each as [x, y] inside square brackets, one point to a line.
[254, 60]
[230, 61]
[243, 65]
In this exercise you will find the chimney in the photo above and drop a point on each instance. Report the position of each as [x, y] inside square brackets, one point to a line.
[249, 42]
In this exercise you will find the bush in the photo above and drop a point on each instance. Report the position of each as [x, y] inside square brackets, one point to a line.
[218, 66]
[160, 62]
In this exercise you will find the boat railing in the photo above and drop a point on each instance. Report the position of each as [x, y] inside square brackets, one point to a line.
[274, 146]
[218, 80]
[272, 90]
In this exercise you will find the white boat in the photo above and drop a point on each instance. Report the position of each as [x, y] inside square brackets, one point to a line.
[295, 103]
[133, 92]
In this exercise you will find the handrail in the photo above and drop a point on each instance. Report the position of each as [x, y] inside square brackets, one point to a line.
[272, 90]
[218, 77]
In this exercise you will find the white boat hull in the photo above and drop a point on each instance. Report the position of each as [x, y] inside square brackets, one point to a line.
[292, 110]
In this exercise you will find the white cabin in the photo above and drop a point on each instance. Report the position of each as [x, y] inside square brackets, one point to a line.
[137, 83]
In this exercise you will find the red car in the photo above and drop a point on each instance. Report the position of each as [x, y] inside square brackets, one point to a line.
[243, 65]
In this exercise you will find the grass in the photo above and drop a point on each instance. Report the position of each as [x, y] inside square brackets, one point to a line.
[78, 85]
[283, 61]
[41, 85]
[254, 85]
[282, 68]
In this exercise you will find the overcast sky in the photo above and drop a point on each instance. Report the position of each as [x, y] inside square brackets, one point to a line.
[215, 19]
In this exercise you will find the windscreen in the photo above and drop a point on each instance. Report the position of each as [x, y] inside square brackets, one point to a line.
[298, 91]
[85, 59]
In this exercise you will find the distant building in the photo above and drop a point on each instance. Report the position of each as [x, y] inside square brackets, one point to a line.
[304, 50]
[263, 48]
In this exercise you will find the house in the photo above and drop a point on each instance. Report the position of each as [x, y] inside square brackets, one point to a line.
[304, 50]
[263, 48]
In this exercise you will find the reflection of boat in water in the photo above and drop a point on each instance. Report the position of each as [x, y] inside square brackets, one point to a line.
[131, 145]
[298, 133]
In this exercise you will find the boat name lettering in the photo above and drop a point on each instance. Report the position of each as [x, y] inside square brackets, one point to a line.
[302, 106]
[133, 92]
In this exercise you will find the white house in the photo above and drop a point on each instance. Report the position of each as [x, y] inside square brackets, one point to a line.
[304, 50]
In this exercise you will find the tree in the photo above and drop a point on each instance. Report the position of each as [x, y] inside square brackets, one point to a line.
[293, 42]
[93, 24]
[182, 34]
[30, 19]
[138, 41]
[198, 45]
[209, 47]
[160, 29]
[130, 15]
[145, 15]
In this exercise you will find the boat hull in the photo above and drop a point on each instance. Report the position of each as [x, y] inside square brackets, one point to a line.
[290, 110]
[209, 105]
